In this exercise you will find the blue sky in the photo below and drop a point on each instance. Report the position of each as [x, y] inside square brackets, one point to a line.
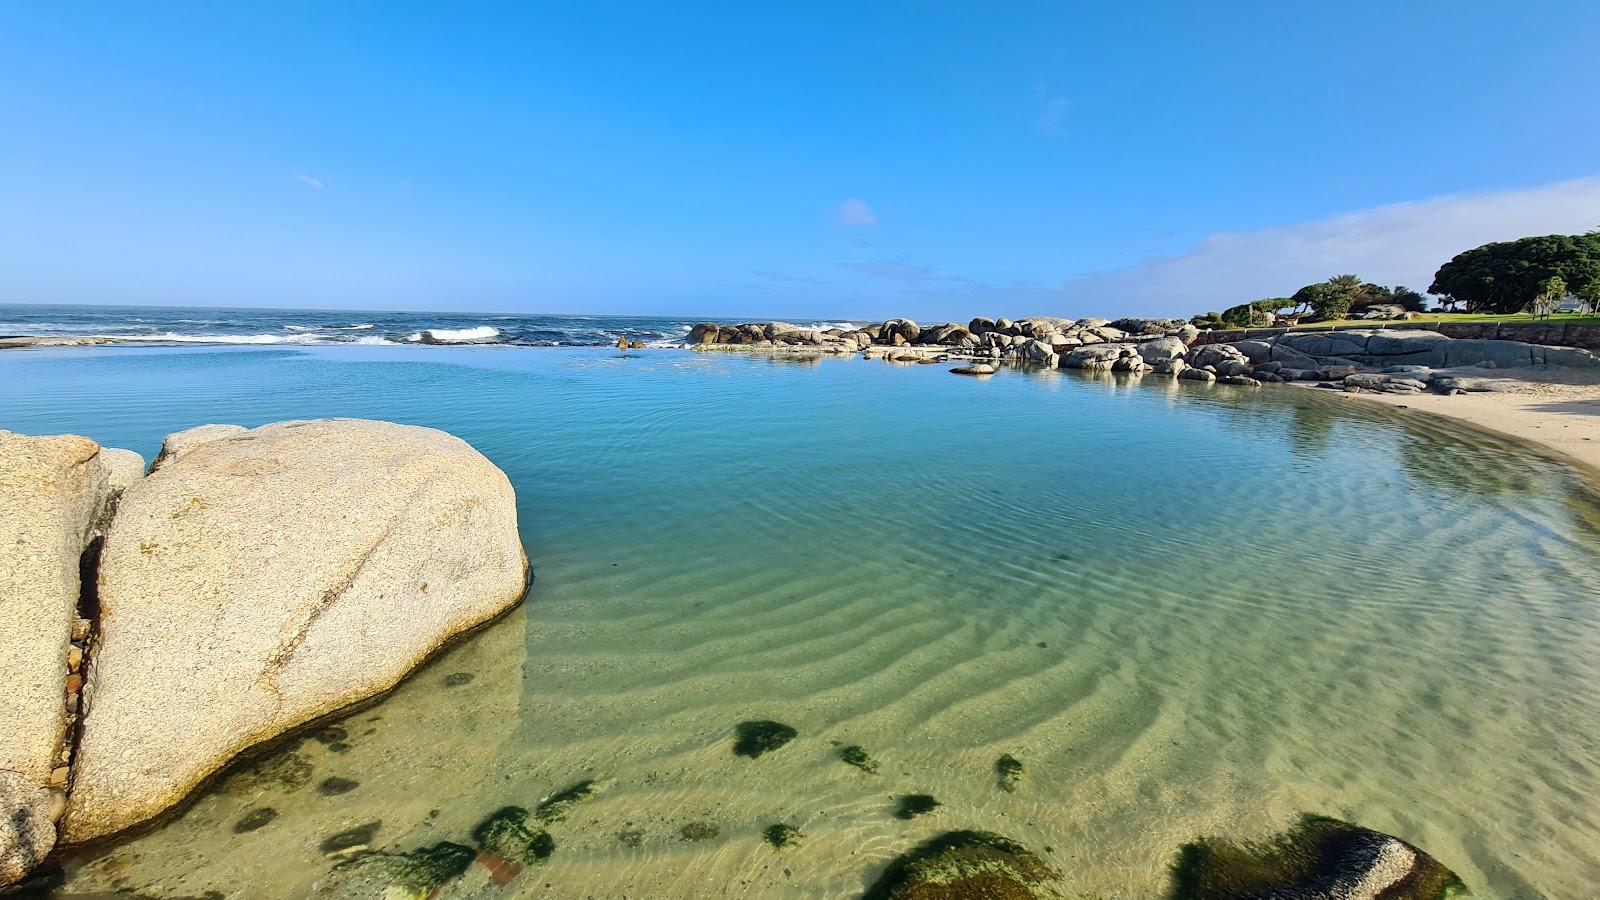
[937, 160]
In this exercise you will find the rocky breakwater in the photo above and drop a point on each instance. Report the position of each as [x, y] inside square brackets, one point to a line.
[1038, 339]
[255, 581]
[1394, 361]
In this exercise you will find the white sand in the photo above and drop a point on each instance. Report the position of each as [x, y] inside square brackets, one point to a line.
[1556, 409]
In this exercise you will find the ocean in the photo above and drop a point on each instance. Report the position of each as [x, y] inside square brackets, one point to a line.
[302, 327]
[1188, 609]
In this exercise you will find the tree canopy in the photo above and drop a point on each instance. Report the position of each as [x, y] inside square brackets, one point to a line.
[1508, 276]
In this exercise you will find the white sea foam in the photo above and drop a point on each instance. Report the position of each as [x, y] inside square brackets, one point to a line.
[481, 334]
[174, 338]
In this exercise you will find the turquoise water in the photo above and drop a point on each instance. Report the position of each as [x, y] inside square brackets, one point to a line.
[1187, 608]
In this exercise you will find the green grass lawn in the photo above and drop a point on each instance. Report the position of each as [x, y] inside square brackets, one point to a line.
[1431, 318]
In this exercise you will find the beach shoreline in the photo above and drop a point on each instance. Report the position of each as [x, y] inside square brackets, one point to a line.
[1556, 411]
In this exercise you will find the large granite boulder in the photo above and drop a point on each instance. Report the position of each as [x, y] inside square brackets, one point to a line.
[1216, 355]
[260, 579]
[1096, 357]
[56, 494]
[1162, 349]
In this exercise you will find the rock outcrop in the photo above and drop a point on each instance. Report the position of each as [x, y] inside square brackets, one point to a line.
[966, 864]
[260, 579]
[56, 494]
[1319, 857]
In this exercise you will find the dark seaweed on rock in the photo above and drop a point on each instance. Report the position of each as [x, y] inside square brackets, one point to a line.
[1318, 857]
[555, 807]
[762, 736]
[913, 805]
[419, 873]
[856, 756]
[965, 864]
[506, 834]
[781, 835]
[1009, 771]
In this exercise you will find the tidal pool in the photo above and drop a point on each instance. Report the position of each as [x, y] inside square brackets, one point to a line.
[1184, 609]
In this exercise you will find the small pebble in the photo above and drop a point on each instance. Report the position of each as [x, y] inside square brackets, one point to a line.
[254, 819]
[357, 838]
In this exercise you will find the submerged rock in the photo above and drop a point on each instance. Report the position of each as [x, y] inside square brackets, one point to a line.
[316, 563]
[351, 840]
[781, 835]
[762, 736]
[913, 805]
[856, 756]
[555, 807]
[397, 876]
[699, 831]
[1008, 770]
[506, 834]
[965, 864]
[1318, 859]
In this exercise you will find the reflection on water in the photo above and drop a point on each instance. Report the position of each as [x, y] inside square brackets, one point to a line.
[1185, 609]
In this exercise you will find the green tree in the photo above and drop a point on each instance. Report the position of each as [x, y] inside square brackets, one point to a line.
[1507, 276]
[1329, 299]
[1406, 297]
[1551, 290]
[1590, 295]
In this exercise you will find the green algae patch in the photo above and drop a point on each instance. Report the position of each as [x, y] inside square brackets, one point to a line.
[286, 772]
[1318, 857]
[856, 756]
[393, 876]
[506, 834]
[555, 807]
[699, 831]
[965, 864]
[762, 736]
[1008, 772]
[913, 805]
[781, 835]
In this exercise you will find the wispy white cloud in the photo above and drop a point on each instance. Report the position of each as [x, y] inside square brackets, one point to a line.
[856, 212]
[1401, 243]
[1051, 113]
[309, 181]
[890, 270]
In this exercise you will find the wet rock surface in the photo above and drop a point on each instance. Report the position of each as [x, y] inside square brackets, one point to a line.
[1320, 858]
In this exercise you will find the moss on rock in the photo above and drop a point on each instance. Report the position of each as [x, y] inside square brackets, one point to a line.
[506, 834]
[392, 876]
[1318, 857]
[965, 864]
[762, 736]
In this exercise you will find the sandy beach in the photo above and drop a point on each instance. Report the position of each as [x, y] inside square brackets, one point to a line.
[1557, 410]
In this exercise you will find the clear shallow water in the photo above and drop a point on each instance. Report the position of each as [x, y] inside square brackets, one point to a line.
[1250, 603]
